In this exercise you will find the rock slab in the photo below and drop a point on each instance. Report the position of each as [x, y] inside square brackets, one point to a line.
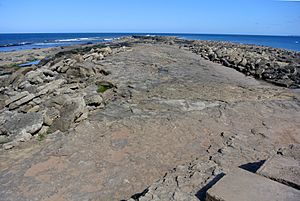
[283, 169]
[243, 185]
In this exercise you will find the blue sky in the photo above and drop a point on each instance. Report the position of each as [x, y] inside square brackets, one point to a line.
[267, 17]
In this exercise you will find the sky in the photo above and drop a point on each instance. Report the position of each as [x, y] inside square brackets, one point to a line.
[258, 17]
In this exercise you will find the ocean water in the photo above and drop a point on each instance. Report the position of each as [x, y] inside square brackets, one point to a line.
[15, 42]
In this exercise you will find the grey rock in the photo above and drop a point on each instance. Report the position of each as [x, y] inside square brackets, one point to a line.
[242, 185]
[50, 115]
[285, 170]
[105, 51]
[22, 101]
[17, 97]
[3, 139]
[50, 87]
[18, 123]
[70, 112]
[93, 100]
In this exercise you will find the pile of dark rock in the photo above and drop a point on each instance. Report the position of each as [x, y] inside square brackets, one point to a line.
[274, 65]
[56, 94]
[278, 66]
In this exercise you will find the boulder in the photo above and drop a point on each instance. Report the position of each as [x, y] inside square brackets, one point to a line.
[69, 113]
[16, 97]
[50, 87]
[35, 77]
[79, 58]
[17, 77]
[93, 100]
[80, 71]
[50, 115]
[22, 101]
[18, 124]
[105, 51]
[243, 62]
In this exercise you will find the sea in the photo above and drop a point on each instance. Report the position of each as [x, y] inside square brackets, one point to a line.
[15, 42]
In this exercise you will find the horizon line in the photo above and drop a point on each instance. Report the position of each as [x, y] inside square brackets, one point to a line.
[192, 33]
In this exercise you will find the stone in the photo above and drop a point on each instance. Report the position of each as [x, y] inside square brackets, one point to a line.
[37, 101]
[59, 100]
[24, 136]
[24, 85]
[50, 87]
[34, 109]
[22, 101]
[283, 169]
[8, 146]
[44, 130]
[17, 77]
[35, 77]
[18, 123]
[93, 100]
[57, 65]
[16, 97]
[243, 185]
[105, 51]
[82, 117]
[80, 71]
[70, 112]
[3, 139]
[79, 58]
[50, 115]
[243, 62]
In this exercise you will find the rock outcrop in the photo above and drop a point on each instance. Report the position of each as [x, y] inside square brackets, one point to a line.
[144, 119]
[54, 95]
[277, 66]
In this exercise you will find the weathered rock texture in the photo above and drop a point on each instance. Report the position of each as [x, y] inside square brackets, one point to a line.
[242, 185]
[145, 113]
[284, 168]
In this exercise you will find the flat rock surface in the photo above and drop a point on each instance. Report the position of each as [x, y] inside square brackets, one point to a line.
[285, 170]
[169, 107]
[246, 186]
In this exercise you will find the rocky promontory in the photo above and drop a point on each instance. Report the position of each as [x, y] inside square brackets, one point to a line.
[278, 66]
[142, 118]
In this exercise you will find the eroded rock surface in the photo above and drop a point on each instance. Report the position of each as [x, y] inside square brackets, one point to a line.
[147, 114]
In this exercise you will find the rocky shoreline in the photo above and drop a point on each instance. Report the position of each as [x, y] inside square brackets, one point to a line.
[277, 66]
[51, 96]
[155, 113]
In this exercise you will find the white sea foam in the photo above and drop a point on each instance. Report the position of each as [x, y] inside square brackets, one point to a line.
[77, 39]
[45, 44]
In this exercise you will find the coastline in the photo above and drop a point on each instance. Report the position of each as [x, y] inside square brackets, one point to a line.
[15, 42]
[275, 65]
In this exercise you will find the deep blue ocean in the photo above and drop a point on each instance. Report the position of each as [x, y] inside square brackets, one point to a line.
[14, 42]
